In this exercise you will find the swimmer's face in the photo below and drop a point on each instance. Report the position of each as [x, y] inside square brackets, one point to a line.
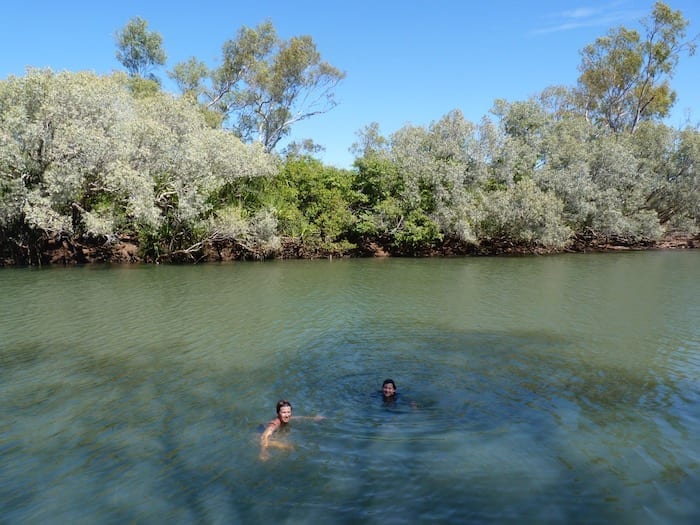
[388, 390]
[285, 414]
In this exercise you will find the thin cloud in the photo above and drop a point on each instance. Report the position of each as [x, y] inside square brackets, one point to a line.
[608, 15]
[581, 12]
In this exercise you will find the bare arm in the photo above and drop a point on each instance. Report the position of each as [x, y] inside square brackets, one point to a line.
[317, 417]
[265, 440]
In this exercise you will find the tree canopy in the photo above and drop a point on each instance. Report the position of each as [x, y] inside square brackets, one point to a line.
[94, 160]
[81, 156]
[139, 50]
[625, 75]
[264, 84]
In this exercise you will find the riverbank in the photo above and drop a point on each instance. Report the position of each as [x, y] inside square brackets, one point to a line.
[126, 250]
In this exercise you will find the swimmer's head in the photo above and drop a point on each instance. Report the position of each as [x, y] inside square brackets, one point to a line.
[388, 388]
[283, 403]
[284, 410]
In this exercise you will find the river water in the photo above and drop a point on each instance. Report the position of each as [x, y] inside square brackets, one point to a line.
[561, 389]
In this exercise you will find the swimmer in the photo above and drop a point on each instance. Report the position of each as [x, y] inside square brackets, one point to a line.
[388, 390]
[390, 396]
[284, 416]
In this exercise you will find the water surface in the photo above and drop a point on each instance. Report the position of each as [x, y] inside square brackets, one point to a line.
[546, 389]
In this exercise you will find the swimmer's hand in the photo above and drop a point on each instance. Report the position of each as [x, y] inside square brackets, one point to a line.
[265, 454]
[282, 445]
[319, 417]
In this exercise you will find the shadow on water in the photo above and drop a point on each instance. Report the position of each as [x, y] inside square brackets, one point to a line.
[507, 425]
[490, 427]
[94, 437]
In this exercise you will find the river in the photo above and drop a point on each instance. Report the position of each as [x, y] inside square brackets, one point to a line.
[559, 389]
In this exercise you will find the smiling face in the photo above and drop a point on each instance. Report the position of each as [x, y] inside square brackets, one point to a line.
[388, 389]
[285, 414]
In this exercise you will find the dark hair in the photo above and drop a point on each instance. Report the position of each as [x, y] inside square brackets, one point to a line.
[389, 382]
[283, 403]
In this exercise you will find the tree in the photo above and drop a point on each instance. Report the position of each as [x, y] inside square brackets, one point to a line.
[676, 194]
[314, 203]
[370, 141]
[264, 85]
[416, 183]
[523, 214]
[188, 76]
[624, 77]
[524, 126]
[80, 156]
[140, 50]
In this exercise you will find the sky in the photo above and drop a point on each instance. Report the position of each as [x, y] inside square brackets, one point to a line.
[407, 62]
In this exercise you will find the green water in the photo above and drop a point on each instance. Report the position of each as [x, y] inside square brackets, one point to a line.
[559, 389]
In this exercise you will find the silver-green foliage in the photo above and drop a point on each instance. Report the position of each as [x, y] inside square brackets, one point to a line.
[525, 215]
[472, 181]
[80, 155]
[676, 194]
[60, 133]
[257, 233]
[530, 176]
[437, 166]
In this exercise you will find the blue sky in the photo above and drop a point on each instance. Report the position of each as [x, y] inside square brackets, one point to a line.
[407, 61]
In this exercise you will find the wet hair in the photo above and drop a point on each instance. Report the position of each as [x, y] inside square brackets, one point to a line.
[389, 382]
[283, 403]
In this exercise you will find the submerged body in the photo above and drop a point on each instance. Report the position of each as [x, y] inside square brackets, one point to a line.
[284, 417]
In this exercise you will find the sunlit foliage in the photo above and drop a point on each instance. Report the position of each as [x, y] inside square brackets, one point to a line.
[97, 160]
[80, 155]
[263, 85]
[139, 50]
[625, 75]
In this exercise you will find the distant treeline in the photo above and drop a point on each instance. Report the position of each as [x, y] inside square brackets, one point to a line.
[92, 164]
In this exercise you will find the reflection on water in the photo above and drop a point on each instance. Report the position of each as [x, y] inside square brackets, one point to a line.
[548, 390]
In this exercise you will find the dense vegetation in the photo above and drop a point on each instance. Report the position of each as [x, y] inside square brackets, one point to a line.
[113, 168]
